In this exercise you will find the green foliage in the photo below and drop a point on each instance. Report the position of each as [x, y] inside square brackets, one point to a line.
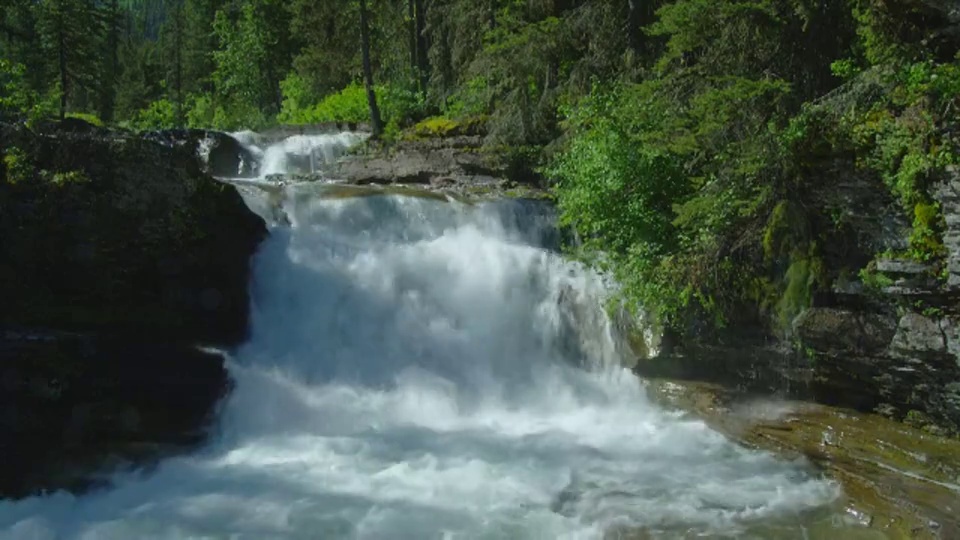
[926, 242]
[18, 166]
[844, 69]
[297, 100]
[347, 105]
[17, 97]
[87, 117]
[64, 178]
[800, 280]
[785, 229]
[160, 114]
[435, 126]
[874, 280]
[619, 196]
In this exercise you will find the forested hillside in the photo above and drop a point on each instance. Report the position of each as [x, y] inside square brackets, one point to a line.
[689, 140]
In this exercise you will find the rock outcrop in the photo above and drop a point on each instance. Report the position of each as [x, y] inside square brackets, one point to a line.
[119, 255]
[220, 154]
[457, 164]
[897, 480]
[887, 341]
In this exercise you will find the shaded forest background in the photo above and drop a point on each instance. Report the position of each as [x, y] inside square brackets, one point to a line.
[686, 140]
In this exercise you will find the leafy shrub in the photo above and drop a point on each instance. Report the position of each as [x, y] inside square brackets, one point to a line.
[397, 105]
[18, 166]
[206, 112]
[160, 114]
[17, 98]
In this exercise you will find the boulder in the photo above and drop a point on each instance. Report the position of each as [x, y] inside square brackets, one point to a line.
[918, 336]
[220, 154]
[119, 255]
[117, 233]
[73, 404]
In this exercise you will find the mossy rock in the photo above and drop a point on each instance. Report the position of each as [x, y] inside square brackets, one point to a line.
[107, 231]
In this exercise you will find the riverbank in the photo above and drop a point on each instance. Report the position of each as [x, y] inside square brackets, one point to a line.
[897, 479]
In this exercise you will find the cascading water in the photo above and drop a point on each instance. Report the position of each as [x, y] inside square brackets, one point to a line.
[298, 153]
[413, 372]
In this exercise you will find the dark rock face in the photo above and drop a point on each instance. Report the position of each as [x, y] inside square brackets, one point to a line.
[112, 232]
[830, 329]
[118, 255]
[220, 154]
[69, 401]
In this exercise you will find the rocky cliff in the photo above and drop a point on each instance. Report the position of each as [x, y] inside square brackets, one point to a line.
[884, 341]
[119, 255]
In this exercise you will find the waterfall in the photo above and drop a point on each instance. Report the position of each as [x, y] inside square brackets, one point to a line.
[298, 153]
[428, 369]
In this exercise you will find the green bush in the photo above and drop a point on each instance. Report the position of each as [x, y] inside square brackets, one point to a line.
[160, 114]
[206, 112]
[17, 98]
[397, 104]
[18, 166]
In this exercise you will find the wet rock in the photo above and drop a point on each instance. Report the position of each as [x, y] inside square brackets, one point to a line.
[454, 162]
[947, 193]
[896, 479]
[220, 154]
[118, 233]
[115, 397]
[918, 335]
[902, 267]
[832, 329]
[118, 256]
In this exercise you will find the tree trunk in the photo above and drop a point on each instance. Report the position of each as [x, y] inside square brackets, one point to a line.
[634, 38]
[62, 62]
[108, 86]
[178, 61]
[375, 122]
[412, 16]
[420, 25]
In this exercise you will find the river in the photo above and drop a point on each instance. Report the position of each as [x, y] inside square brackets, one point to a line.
[419, 369]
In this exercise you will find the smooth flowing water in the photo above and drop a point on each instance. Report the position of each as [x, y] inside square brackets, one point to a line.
[426, 369]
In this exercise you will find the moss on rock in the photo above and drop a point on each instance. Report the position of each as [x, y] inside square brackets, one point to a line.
[105, 231]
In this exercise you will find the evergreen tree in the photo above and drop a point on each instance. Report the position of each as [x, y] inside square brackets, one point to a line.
[69, 30]
[375, 122]
[112, 17]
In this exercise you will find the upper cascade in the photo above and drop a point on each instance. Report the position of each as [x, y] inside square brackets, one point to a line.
[300, 153]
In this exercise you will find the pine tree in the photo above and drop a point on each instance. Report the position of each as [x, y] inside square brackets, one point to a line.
[375, 122]
[172, 38]
[70, 30]
[111, 16]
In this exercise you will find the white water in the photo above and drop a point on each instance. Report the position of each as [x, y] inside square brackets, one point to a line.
[298, 153]
[416, 370]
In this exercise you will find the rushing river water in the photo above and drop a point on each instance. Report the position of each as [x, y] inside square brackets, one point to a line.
[423, 369]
